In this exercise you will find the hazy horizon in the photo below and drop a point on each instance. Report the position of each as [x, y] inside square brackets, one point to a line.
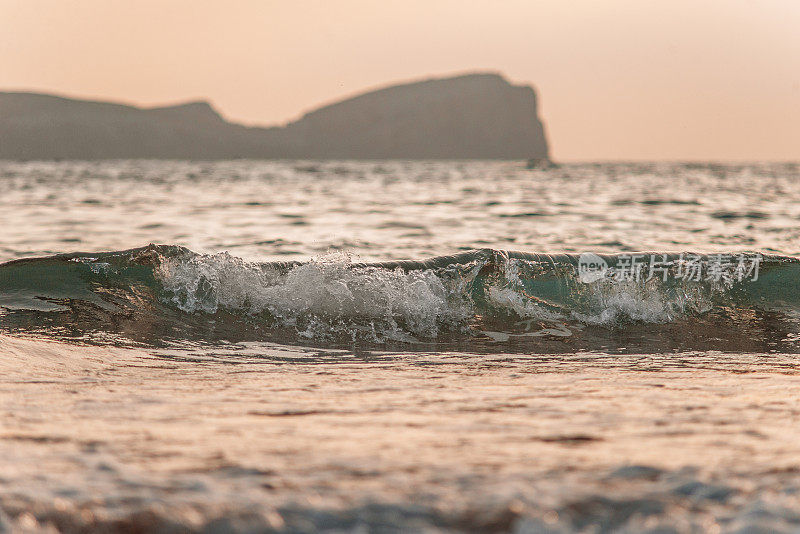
[622, 81]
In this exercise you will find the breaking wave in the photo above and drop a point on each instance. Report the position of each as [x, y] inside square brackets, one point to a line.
[495, 299]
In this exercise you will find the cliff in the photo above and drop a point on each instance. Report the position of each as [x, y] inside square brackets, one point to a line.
[476, 116]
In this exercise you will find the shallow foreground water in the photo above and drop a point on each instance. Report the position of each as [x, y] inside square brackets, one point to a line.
[386, 346]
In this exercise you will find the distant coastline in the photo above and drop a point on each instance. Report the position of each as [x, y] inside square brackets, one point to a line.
[471, 116]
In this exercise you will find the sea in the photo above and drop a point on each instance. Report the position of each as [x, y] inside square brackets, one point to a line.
[399, 346]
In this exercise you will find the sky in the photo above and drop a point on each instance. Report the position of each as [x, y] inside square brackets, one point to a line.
[617, 79]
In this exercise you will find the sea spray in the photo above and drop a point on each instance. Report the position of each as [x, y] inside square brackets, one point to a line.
[468, 296]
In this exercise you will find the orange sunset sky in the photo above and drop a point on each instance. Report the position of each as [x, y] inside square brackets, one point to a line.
[617, 79]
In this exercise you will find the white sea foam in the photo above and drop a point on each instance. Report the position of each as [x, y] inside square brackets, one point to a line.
[608, 302]
[321, 297]
[331, 296]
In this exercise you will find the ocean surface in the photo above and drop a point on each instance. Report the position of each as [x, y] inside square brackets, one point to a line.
[399, 346]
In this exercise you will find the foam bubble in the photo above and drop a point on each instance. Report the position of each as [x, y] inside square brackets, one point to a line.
[320, 298]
